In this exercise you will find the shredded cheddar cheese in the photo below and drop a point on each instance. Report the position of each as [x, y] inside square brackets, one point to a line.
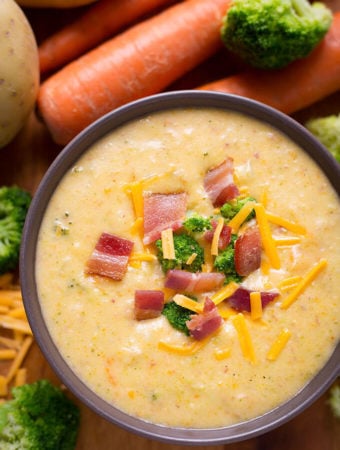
[216, 236]
[9, 343]
[279, 344]
[255, 305]
[7, 353]
[136, 191]
[291, 226]
[143, 256]
[15, 337]
[19, 358]
[266, 236]
[15, 324]
[284, 241]
[168, 293]
[241, 216]
[168, 247]
[187, 302]
[137, 226]
[208, 260]
[244, 337]
[4, 309]
[3, 386]
[18, 313]
[223, 293]
[21, 376]
[305, 281]
[10, 297]
[191, 259]
[289, 283]
[244, 191]
[136, 259]
[264, 197]
[185, 350]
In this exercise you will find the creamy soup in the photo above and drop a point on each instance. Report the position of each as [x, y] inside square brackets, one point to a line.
[147, 368]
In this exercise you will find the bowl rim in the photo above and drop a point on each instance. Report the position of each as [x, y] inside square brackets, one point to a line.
[65, 160]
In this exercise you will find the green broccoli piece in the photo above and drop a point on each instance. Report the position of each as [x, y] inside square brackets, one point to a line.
[231, 208]
[39, 417]
[269, 34]
[225, 262]
[327, 131]
[185, 246]
[197, 224]
[177, 316]
[334, 400]
[14, 203]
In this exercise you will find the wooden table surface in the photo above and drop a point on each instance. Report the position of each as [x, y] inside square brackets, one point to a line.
[25, 161]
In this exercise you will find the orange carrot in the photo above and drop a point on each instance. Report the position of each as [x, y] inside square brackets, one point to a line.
[98, 23]
[298, 85]
[141, 61]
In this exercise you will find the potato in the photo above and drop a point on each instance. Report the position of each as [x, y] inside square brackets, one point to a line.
[19, 70]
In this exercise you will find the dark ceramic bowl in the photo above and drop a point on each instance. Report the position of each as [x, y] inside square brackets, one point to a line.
[63, 162]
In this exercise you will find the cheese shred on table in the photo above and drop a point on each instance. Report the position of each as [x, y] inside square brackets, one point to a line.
[15, 337]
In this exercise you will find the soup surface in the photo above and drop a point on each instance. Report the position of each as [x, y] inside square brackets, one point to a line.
[147, 368]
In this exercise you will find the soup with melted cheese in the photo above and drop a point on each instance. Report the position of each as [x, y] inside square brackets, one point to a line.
[255, 360]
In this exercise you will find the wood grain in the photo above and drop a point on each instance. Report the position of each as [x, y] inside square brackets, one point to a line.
[25, 162]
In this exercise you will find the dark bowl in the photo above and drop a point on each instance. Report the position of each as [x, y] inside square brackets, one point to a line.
[245, 430]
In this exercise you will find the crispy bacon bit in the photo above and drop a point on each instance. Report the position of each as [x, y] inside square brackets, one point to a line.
[148, 304]
[110, 257]
[248, 251]
[240, 299]
[203, 324]
[163, 211]
[183, 281]
[219, 183]
[225, 236]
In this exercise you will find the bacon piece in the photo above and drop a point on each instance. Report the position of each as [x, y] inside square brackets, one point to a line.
[203, 324]
[162, 211]
[110, 257]
[219, 183]
[240, 299]
[148, 304]
[225, 236]
[181, 280]
[248, 251]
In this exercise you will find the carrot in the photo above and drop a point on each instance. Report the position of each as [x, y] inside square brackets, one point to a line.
[98, 23]
[141, 61]
[298, 85]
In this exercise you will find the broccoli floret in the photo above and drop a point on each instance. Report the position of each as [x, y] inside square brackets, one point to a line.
[14, 203]
[231, 208]
[39, 417]
[185, 246]
[269, 34]
[327, 130]
[197, 224]
[225, 262]
[177, 316]
[334, 400]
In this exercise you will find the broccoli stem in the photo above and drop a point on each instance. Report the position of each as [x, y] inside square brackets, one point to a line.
[302, 7]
